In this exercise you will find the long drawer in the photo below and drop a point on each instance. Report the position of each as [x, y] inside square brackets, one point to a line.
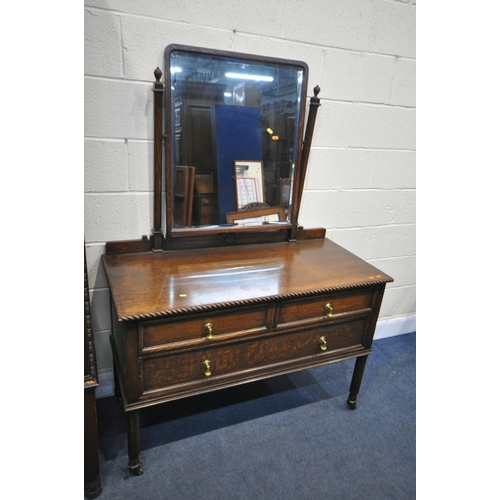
[230, 358]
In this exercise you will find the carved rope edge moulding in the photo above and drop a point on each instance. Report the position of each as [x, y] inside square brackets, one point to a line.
[236, 303]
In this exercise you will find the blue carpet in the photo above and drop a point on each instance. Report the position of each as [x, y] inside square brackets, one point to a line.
[289, 437]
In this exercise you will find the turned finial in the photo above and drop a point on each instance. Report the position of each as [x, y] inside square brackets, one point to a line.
[157, 73]
[316, 91]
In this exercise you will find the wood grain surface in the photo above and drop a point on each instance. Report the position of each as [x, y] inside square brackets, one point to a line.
[148, 285]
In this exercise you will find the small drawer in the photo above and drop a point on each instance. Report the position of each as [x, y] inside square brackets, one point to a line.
[323, 307]
[203, 328]
[203, 365]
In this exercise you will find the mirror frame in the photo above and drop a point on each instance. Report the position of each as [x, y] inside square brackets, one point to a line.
[169, 152]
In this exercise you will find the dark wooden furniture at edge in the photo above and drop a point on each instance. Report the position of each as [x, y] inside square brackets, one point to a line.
[92, 477]
[197, 313]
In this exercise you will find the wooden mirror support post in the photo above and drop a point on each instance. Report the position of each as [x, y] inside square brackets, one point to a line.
[159, 91]
[306, 148]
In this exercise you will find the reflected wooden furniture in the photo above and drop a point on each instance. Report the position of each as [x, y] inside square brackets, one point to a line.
[193, 129]
[247, 94]
[204, 200]
[184, 195]
[92, 478]
[192, 321]
[264, 212]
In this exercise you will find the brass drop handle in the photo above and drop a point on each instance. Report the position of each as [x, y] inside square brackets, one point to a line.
[206, 364]
[322, 343]
[329, 310]
[208, 330]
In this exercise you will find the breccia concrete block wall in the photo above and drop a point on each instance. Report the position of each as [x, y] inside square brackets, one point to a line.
[360, 184]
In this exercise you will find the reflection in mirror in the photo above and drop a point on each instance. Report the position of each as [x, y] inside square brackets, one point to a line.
[235, 136]
[249, 183]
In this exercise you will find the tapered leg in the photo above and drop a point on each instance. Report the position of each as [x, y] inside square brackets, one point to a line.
[133, 429]
[357, 376]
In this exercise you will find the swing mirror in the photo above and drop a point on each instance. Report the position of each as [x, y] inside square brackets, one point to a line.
[234, 124]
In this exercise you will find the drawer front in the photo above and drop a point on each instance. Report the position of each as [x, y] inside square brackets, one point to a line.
[323, 341]
[156, 334]
[323, 308]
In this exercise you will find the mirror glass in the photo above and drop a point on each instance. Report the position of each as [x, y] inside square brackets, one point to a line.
[235, 127]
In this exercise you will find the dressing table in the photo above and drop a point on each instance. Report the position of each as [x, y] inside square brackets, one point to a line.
[196, 308]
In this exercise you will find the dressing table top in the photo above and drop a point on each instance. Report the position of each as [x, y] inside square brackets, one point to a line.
[155, 285]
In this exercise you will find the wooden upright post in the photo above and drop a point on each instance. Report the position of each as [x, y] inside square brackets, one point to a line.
[306, 148]
[158, 90]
